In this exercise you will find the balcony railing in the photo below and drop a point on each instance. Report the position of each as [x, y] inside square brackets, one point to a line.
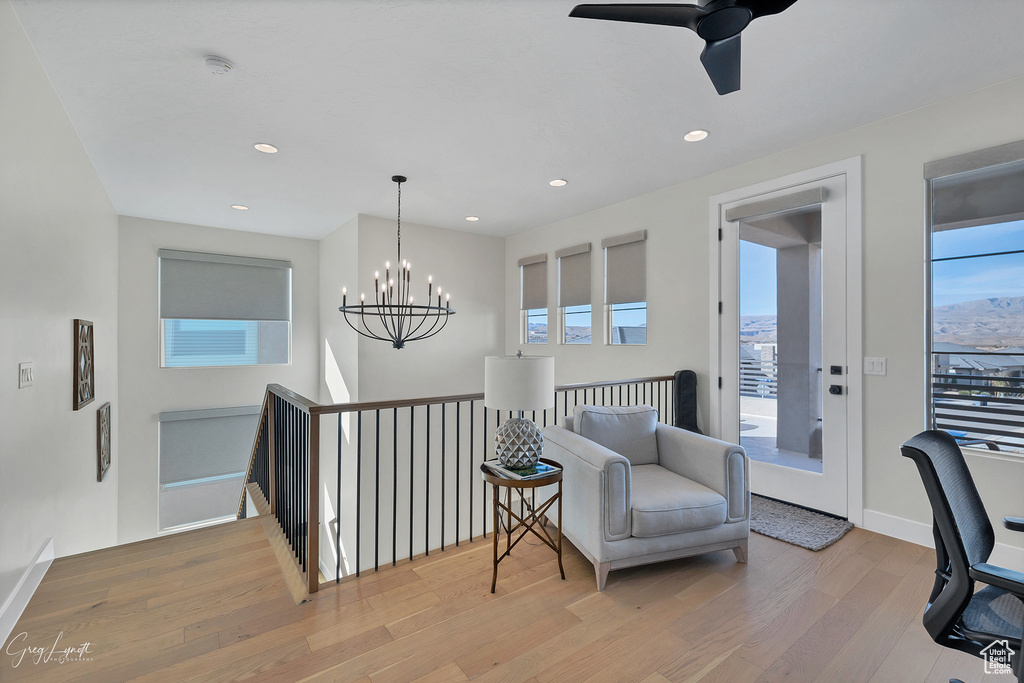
[759, 378]
[393, 480]
[980, 410]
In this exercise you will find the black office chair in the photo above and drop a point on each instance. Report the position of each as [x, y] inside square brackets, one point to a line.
[956, 616]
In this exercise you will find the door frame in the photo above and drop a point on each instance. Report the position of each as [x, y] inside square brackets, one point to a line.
[852, 169]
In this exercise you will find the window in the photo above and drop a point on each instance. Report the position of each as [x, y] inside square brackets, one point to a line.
[537, 326]
[574, 293]
[220, 310]
[204, 455]
[625, 288]
[533, 276]
[977, 297]
[628, 323]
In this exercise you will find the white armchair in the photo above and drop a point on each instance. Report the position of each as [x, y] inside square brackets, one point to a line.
[636, 491]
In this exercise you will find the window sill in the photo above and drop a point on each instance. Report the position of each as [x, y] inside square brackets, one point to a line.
[1007, 456]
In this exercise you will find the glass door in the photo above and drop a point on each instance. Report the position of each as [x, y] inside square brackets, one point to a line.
[783, 340]
[780, 340]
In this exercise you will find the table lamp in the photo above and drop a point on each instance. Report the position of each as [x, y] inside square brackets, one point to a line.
[519, 383]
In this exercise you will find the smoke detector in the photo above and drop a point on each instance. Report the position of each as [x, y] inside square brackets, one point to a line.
[218, 65]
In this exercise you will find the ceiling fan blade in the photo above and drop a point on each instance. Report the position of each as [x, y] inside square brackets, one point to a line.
[762, 8]
[721, 59]
[643, 13]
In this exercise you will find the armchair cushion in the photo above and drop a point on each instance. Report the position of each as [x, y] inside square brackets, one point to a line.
[630, 431]
[666, 503]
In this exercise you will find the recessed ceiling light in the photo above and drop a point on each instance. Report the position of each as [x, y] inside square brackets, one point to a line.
[695, 135]
[239, 207]
[558, 182]
[265, 148]
[472, 219]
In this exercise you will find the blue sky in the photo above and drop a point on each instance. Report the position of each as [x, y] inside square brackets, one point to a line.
[952, 281]
[978, 278]
[757, 279]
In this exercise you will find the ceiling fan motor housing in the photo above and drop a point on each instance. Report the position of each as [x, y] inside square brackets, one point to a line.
[724, 23]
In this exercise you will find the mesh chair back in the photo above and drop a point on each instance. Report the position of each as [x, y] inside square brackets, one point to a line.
[952, 494]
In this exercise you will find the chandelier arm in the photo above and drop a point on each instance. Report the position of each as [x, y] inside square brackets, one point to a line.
[382, 301]
[438, 318]
[368, 333]
[431, 332]
[426, 315]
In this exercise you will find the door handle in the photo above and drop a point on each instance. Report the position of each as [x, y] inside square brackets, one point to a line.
[835, 390]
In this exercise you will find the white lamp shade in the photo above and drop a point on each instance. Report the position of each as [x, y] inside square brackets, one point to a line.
[519, 383]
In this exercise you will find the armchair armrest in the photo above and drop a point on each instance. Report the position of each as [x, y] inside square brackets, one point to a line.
[596, 482]
[719, 465]
[1000, 577]
[1014, 523]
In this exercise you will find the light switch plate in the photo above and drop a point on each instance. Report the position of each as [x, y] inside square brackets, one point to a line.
[874, 366]
[25, 374]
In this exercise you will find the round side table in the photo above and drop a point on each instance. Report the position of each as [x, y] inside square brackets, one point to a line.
[531, 521]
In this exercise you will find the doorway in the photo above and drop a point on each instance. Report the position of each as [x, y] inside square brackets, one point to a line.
[787, 299]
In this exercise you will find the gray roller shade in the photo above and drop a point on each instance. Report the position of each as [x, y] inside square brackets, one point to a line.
[625, 268]
[534, 270]
[788, 202]
[198, 444]
[199, 286]
[574, 275]
[978, 196]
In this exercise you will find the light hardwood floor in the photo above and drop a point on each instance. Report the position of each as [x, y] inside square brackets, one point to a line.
[212, 605]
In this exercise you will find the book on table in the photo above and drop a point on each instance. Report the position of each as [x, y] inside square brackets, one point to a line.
[537, 471]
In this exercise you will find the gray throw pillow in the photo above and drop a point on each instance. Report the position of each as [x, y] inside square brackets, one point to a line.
[627, 430]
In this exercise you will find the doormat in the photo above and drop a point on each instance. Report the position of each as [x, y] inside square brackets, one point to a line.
[807, 529]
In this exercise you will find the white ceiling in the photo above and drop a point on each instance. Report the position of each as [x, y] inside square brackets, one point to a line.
[479, 102]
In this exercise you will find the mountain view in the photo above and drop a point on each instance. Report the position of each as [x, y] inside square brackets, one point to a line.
[997, 322]
[989, 323]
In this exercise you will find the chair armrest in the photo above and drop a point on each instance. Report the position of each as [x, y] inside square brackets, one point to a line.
[596, 485]
[1000, 577]
[1014, 523]
[719, 465]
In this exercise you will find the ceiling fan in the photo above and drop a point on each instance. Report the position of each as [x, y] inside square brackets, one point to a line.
[718, 22]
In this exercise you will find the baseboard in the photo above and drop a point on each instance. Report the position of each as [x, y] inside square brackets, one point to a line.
[16, 602]
[917, 532]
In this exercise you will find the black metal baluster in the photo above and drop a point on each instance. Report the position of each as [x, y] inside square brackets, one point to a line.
[483, 484]
[412, 472]
[394, 486]
[426, 492]
[359, 485]
[303, 509]
[458, 470]
[337, 512]
[444, 440]
[472, 431]
[376, 498]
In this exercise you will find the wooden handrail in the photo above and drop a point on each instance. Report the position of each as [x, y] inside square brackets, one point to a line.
[335, 408]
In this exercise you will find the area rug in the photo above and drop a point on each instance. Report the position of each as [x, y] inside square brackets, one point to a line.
[807, 529]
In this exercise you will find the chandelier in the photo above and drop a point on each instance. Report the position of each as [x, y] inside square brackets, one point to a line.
[393, 316]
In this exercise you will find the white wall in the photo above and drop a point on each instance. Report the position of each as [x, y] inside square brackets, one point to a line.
[339, 264]
[147, 389]
[469, 266]
[894, 151]
[58, 261]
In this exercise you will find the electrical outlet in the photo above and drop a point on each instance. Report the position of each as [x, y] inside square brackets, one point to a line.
[874, 366]
[25, 375]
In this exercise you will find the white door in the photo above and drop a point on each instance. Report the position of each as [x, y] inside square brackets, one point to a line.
[785, 344]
